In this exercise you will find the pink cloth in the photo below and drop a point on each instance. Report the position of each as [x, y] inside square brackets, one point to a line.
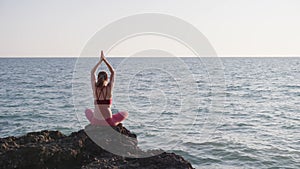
[113, 121]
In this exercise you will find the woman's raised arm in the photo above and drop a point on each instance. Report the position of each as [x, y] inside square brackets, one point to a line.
[111, 69]
[93, 76]
[93, 71]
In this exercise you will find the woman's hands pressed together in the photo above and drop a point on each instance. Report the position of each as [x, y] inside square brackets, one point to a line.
[102, 57]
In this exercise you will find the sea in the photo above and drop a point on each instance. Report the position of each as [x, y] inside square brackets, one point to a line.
[239, 112]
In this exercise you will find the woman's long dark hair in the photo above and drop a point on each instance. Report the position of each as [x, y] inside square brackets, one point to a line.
[102, 77]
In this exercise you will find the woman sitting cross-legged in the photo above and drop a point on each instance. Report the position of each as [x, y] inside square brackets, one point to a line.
[102, 92]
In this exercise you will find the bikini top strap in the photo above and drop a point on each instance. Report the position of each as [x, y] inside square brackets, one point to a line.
[104, 93]
[98, 95]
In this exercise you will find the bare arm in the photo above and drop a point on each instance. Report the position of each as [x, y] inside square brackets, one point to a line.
[111, 69]
[93, 71]
[93, 76]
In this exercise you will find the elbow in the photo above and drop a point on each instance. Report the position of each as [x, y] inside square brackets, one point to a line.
[112, 71]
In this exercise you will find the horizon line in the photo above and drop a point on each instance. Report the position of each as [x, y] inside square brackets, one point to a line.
[119, 56]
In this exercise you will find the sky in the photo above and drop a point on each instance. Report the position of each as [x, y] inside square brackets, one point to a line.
[55, 28]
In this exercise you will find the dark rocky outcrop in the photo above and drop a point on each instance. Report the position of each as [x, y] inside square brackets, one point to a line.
[52, 149]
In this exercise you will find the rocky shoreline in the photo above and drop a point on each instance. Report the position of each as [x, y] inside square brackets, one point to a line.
[52, 149]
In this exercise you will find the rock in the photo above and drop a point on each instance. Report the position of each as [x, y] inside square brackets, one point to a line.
[52, 149]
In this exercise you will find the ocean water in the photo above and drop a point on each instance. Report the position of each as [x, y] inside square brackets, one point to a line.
[215, 112]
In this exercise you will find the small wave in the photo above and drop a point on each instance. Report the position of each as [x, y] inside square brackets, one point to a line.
[44, 86]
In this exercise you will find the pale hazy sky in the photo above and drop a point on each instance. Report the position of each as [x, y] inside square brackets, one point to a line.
[233, 27]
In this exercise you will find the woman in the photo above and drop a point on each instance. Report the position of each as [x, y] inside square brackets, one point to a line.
[102, 92]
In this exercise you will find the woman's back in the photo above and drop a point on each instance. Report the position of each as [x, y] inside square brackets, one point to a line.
[103, 101]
